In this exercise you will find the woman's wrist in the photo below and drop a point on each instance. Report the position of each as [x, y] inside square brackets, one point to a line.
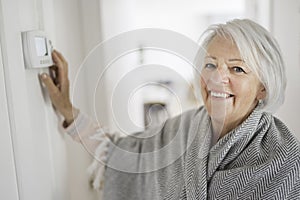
[70, 116]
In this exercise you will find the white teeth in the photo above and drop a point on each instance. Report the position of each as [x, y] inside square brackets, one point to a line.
[219, 95]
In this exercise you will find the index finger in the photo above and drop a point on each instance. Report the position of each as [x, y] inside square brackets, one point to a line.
[62, 67]
[60, 56]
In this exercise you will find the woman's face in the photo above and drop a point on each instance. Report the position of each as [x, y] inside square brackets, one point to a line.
[230, 90]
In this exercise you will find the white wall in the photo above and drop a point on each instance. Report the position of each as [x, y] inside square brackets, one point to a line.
[260, 11]
[8, 181]
[286, 28]
[186, 17]
[30, 140]
[73, 40]
[48, 164]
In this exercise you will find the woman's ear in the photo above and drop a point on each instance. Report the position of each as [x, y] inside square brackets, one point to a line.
[261, 92]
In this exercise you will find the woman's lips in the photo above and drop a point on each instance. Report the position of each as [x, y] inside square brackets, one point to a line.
[221, 95]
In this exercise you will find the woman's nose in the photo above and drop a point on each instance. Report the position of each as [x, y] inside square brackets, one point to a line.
[221, 75]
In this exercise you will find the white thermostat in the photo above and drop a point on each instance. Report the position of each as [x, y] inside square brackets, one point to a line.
[37, 49]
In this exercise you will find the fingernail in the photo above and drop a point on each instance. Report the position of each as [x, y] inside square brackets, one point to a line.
[44, 76]
[54, 56]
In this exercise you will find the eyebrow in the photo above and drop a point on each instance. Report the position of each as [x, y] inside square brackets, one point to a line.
[236, 59]
[230, 60]
[211, 57]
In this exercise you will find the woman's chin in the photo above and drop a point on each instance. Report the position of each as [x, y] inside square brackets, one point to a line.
[218, 112]
[218, 116]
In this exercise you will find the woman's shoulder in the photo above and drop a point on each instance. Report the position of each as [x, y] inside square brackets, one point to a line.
[281, 136]
[283, 130]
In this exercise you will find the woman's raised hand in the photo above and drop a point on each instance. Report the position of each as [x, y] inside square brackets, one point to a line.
[58, 86]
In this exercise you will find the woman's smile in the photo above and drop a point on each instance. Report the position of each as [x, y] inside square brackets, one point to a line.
[220, 95]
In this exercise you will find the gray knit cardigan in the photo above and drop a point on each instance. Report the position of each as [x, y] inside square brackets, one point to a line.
[260, 159]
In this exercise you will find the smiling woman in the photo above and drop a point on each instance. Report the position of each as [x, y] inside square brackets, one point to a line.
[257, 51]
[230, 90]
[230, 148]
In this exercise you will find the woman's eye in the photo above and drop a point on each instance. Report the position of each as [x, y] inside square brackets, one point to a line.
[210, 66]
[239, 69]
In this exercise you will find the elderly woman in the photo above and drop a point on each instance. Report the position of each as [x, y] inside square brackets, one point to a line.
[230, 148]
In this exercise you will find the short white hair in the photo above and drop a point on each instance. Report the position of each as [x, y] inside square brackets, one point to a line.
[260, 51]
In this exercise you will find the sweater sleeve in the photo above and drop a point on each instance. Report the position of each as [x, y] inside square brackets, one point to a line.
[96, 140]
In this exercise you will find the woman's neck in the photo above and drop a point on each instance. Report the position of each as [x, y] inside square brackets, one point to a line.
[221, 127]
